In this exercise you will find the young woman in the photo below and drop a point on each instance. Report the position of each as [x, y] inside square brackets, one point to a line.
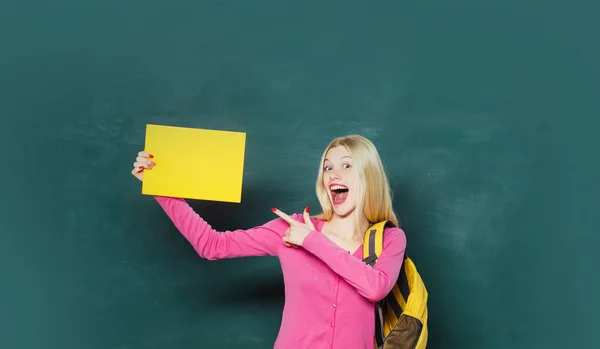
[329, 292]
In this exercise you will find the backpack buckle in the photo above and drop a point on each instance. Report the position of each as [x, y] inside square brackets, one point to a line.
[370, 260]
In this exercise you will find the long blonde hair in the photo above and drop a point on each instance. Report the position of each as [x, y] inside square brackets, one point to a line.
[375, 197]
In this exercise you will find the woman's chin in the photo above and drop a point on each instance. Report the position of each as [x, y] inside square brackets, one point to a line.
[342, 210]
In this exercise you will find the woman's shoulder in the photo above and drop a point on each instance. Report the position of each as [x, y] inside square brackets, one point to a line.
[394, 233]
[393, 229]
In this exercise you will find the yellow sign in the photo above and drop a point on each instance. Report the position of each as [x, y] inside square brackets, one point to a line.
[195, 163]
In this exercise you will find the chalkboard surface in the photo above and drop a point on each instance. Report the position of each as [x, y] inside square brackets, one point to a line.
[484, 112]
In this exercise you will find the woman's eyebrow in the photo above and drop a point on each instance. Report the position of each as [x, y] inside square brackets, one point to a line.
[347, 156]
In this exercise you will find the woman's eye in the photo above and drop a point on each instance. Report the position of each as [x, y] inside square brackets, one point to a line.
[346, 165]
[327, 168]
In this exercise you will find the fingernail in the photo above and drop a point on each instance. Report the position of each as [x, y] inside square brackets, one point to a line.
[307, 209]
[141, 166]
[273, 209]
[151, 156]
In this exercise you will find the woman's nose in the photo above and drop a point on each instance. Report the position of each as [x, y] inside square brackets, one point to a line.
[333, 175]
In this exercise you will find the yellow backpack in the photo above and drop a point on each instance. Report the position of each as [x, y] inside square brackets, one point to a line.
[400, 317]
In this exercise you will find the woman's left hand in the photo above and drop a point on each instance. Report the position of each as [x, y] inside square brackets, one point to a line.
[297, 231]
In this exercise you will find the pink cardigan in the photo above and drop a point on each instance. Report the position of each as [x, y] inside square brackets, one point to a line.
[329, 293]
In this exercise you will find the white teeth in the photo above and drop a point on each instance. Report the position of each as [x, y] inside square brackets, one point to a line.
[338, 187]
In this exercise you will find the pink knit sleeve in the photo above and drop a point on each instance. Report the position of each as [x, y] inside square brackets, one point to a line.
[374, 282]
[211, 244]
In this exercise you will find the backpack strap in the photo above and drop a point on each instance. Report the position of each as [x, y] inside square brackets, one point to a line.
[373, 241]
[372, 247]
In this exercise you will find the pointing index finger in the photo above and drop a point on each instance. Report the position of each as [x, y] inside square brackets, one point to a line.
[285, 217]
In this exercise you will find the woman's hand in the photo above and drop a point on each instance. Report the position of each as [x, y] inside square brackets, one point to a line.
[297, 231]
[141, 163]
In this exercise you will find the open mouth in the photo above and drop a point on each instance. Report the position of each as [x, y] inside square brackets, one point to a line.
[339, 193]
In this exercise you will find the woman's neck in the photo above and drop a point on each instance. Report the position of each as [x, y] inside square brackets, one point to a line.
[346, 227]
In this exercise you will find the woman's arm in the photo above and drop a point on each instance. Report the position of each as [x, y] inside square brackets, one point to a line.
[375, 282]
[211, 244]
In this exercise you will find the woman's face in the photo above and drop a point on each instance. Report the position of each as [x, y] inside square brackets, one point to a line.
[340, 179]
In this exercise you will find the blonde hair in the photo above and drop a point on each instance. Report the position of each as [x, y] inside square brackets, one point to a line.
[374, 197]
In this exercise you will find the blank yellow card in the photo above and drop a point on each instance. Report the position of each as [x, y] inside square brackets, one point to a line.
[195, 163]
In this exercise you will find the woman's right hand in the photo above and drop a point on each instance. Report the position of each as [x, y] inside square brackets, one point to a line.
[141, 163]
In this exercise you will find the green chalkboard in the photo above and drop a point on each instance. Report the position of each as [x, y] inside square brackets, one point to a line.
[484, 113]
